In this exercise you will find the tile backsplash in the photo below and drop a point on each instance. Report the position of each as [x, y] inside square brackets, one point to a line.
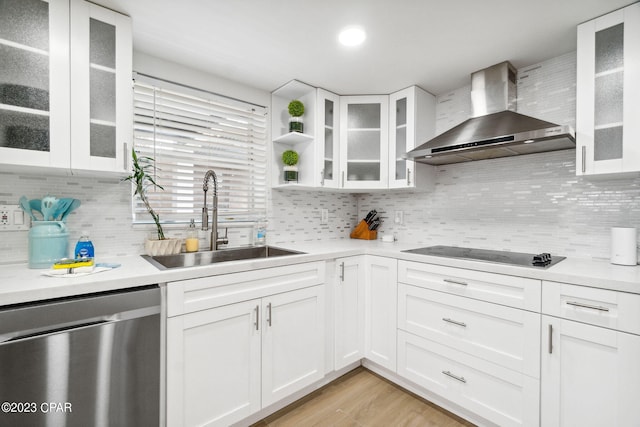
[531, 203]
[106, 214]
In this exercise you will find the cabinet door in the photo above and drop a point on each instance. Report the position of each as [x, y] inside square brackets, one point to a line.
[34, 83]
[364, 139]
[500, 395]
[213, 365]
[349, 311]
[502, 335]
[101, 93]
[328, 138]
[590, 375]
[292, 342]
[608, 95]
[412, 115]
[381, 297]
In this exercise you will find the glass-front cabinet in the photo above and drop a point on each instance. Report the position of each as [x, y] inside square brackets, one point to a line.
[34, 83]
[65, 86]
[411, 123]
[608, 94]
[353, 143]
[101, 95]
[328, 136]
[364, 139]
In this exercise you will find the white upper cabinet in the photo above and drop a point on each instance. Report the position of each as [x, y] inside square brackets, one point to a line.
[412, 113]
[45, 121]
[302, 142]
[328, 138]
[608, 94]
[354, 143]
[34, 83]
[363, 141]
[101, 94]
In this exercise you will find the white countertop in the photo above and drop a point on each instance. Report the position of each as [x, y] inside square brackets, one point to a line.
[20, 284]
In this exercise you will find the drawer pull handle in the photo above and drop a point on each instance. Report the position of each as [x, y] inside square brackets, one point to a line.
[257, 324]
[455, 377]
[456, 282]
[550, 338]
[455, 322]
[592, 307]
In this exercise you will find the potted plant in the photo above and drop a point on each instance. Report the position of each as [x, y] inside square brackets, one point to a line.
[142, 179]
[296, 110]
[290, 160]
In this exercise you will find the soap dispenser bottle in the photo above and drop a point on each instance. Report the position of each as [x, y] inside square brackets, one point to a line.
[192, 243]
[84, 247]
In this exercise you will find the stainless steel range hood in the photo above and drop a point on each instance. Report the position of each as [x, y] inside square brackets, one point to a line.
[495, 130]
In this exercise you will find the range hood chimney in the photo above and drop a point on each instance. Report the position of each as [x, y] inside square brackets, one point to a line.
[495, 129]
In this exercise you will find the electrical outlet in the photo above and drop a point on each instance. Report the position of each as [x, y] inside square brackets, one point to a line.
[399, 217]
[324, 216]
[12, 218]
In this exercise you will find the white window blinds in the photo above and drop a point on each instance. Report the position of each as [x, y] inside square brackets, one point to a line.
[188, 132]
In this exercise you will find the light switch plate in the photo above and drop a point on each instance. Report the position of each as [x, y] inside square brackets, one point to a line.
[13, 218]
[399, 217]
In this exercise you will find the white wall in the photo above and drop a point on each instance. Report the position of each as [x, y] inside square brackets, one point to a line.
[530, 203]
[106, 203]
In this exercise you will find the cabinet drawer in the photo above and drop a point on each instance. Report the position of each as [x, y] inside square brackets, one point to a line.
[518, 292]
[502, 335]
[500, 395]
[187, 296]
[601, 307]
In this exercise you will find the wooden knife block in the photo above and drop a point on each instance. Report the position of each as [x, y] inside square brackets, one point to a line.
[362, 232]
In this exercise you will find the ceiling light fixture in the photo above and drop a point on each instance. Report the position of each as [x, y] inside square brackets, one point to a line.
[352, 36]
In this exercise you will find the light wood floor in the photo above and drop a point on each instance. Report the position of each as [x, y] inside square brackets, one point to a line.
[362, 398]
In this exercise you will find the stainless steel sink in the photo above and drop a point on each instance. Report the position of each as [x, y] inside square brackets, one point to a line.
[165, 262]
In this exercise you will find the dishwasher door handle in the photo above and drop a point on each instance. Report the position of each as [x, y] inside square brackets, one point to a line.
[23, 335]
[81, 323]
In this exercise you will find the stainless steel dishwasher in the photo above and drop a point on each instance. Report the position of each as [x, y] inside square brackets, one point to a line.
[83, 361]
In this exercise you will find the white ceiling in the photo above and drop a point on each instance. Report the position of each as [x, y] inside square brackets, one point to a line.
[435, 44]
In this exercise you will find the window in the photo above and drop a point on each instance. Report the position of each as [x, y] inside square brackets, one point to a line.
[189, 131]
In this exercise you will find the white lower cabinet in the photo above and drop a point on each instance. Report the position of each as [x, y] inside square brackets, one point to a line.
[498, 334]
[589, 363]
[497, 394]
[213, 366]
[292, 342]
[464, 336]
[590, 375]
[348, 300]
[226, 360]
[381, 302]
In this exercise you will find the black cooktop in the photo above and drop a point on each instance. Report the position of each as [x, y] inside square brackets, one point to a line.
[543, 260]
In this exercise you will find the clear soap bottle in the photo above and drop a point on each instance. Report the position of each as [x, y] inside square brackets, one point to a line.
[260, 233]
[192, 244]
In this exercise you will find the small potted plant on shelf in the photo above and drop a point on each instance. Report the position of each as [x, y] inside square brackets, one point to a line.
[290, 160]
[296, 110]
[142, 179]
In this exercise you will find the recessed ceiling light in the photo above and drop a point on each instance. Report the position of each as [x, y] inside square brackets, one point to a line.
[352, 36]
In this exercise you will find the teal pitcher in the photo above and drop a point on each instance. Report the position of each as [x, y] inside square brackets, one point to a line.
[48, 243]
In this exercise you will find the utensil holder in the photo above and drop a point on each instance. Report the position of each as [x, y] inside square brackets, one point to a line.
[362, 232]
